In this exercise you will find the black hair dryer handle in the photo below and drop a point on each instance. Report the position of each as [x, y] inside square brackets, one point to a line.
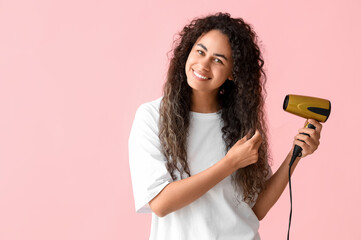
[297, 149]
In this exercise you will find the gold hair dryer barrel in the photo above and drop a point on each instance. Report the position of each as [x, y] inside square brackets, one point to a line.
[308, 107]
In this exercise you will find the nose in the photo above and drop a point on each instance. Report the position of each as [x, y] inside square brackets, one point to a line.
[205, 63]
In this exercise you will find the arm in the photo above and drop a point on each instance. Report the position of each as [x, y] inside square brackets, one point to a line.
[183, 192]
[278, 182]
[274, 188]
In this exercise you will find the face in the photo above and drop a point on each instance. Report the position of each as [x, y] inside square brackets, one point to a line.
[209, 63]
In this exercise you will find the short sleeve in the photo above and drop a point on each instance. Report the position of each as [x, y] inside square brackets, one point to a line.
[147, 163]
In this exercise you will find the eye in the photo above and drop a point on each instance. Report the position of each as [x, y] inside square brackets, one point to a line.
[200, 52]
[217, 60]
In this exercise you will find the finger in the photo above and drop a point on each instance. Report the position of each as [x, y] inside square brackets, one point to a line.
[242, 140]
[258, 144]
[249, 134]
[308, 140]
[301, 137]
[304, 146]
[309, 131]
[256, 139]
[309, 145]
[312, 132]
[315, 123]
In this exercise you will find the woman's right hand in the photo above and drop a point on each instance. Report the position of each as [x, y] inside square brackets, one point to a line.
[244, 152]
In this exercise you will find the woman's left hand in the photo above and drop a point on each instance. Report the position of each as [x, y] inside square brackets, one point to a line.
[310, 143]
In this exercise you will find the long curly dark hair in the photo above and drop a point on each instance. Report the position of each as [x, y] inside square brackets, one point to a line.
[241, 100]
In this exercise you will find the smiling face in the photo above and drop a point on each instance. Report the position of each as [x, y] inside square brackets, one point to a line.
[209, 63]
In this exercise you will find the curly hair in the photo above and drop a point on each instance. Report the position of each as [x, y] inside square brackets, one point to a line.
[241, 100]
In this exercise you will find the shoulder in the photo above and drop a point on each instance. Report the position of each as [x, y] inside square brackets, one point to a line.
[149, 108]
[147, 114]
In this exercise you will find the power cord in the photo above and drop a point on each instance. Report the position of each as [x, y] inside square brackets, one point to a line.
[296, 153]
[290, 187]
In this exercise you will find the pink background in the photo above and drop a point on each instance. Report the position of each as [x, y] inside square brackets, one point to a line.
[74, 72]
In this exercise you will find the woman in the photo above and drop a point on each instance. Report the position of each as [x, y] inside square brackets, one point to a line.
[199, 154]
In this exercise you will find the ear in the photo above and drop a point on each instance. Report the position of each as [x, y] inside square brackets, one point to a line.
[230, 78]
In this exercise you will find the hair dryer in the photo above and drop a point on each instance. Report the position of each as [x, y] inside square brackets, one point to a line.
[307, 107]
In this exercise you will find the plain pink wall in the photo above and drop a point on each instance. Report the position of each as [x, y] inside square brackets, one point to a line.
[74, 72]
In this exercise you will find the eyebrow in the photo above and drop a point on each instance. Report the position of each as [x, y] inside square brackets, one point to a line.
[215, 54]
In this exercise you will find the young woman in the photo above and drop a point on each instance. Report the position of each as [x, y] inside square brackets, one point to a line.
[199, 154]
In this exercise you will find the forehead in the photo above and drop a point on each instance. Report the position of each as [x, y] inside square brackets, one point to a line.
[215, 41]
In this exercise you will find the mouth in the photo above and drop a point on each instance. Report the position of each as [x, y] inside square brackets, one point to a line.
[199, 75]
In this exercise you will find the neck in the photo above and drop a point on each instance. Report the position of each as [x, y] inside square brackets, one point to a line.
[205, 102]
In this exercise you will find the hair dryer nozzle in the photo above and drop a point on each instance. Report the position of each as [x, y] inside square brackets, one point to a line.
[308, 107]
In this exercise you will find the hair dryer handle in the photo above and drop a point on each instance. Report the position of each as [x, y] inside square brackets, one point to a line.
[297, 149]
[310, 126]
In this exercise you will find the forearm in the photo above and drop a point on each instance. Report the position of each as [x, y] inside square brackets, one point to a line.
[274, 188]
[183, 192]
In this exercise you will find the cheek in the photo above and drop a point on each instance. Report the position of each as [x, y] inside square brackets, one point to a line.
[189, 62]
[228, 73]
[190, 58]
[222, 72]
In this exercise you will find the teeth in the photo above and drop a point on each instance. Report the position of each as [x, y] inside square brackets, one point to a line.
[198, 75]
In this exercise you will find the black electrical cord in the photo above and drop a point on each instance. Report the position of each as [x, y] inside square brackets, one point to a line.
[290, 187]
[296, 153]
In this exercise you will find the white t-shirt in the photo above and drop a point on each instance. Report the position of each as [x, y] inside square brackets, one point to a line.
[219, 213]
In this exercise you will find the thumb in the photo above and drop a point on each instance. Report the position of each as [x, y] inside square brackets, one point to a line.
[256, 139]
